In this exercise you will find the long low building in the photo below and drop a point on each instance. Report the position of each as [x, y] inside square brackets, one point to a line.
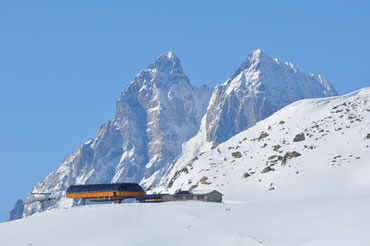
[115, 192]
[155, 198]
[195, 195]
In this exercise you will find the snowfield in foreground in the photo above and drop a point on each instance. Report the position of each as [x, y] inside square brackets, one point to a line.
[318, 222]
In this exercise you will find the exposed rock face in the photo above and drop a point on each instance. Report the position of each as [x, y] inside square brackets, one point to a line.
[261, 86]
[156, 113]
[299, 137]
[267, 169]
[236, 154]
[17, 211]
[203, 180]
[246, 175]
[289, 155]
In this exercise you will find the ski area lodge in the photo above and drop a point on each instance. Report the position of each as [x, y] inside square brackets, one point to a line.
[117, 192]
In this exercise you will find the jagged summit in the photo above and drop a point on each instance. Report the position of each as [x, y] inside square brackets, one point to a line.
[253, 61]
[259, 87]
[164, 71]
[170, 54]
[261, 71]
[167, 63]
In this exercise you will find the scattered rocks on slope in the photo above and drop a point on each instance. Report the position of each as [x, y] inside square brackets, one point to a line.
[246, 175]
[203, 180]
[268, 169]
[289, 155]
[310, 147]
[282, 122]
[236, 154]
[299, 137]
[261, 137]
[276, 147]
[274, 159]
[367, 136]
[193, 187]
[176, 175]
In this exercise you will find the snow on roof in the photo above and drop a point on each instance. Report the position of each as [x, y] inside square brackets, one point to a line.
[193, 192]
[152, 196]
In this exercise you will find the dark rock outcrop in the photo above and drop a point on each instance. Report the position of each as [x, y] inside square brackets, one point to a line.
[236, 154]
[299, 137]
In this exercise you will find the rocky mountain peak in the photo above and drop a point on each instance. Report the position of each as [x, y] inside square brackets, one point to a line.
[253, 62]
[164, 72]
[259, 87]
[167, 63]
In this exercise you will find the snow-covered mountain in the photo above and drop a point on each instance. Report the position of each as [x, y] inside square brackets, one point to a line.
[311, 149]
[162, 122]
[258, 88]
[156, 113]
[299, 177]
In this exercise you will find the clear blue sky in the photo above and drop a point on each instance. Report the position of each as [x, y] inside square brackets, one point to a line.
[63, 64]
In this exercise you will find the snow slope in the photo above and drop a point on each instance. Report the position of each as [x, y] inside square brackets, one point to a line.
[311, 149]
[322, 222]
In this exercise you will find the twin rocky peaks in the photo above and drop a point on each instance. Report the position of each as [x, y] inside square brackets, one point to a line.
[162, 122]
